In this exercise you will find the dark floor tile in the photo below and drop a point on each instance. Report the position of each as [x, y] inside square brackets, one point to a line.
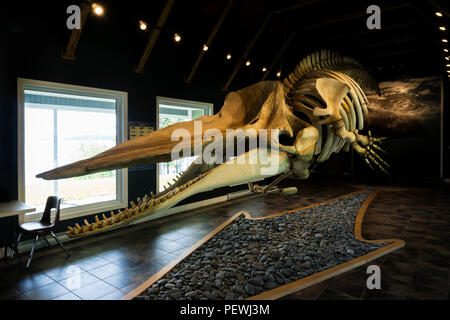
[328, 294]
[33, 282]
[92, 263]
[132, 286]
[166, 259]
[115, 295]
[79, 281]
[173, 236]
[115, 254]
[171, 247]
[121, 280]
[309, 293]
[67, 296]
[63, 272]
[106, 270]
[47, 292]
[9, 293]
[94, 291]
[19, 297]
[181, 252]
[131, 262]
[153, 253]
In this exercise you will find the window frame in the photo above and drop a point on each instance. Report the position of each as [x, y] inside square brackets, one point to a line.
[208, 107]
[121, 98]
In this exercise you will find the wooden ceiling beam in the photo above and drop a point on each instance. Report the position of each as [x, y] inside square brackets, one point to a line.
[320, 25]
[249, 47]
[208, 42]
[156, 30]
[393, 53]
[69, 52]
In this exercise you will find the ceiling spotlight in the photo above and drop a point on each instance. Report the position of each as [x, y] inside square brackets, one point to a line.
[442, 28]
[264, 69]
[447, 65]
[445, 50]
[448, 71]
[228, 56]
[98, 9]
[142, 25]
[447, 58]
[439, 14]
[279, 74]
[247, 63]
[177, 37]
[205, 47]
[444, 40]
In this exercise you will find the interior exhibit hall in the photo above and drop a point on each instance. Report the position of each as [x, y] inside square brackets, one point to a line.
[225, 150]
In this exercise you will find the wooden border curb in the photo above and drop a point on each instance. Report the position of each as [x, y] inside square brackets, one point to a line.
[304, 282]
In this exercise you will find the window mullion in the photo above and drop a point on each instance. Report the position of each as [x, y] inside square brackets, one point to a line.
[55, 147]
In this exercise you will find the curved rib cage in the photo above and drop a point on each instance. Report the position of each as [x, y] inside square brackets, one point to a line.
[303, 94]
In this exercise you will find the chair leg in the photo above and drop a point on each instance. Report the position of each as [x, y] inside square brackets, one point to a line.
[45, 239]
[15, 249]
[59, 242]
[32, 251]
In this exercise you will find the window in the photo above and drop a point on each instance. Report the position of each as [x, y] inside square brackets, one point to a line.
[170, 111]
[60, 124]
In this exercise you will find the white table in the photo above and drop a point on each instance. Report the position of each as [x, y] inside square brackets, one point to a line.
[14, 208]
[9, 218]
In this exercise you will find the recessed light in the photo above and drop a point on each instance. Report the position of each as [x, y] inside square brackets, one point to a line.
[279, 74]
[447, 58]
[439, 14]
[177, 37]
[228, 56]
[442, 28]
[264, 69]
[142, 25]
[205, 47]
[445, 50]
[98, 9]
[247, 63]
[447, 65]
[444, 40]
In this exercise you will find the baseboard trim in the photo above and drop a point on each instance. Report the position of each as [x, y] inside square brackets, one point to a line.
[26, 245]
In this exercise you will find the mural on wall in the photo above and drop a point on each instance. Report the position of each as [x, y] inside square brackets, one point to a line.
[406, 108]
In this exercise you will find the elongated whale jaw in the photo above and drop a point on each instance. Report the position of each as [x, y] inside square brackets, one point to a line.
[246, 167]
[144, 207]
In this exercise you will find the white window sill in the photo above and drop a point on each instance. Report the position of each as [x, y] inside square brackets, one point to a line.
[79, 211]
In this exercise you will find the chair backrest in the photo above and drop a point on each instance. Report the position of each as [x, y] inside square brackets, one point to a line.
[53, 202]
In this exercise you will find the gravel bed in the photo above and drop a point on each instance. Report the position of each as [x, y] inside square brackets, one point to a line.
[252, 256]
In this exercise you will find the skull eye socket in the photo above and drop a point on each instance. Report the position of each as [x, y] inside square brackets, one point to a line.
[286, 140]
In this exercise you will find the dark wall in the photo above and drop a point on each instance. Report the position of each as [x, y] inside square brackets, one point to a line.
[105, 58]
[30, 47]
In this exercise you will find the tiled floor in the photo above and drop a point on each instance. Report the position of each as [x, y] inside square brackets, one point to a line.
[109, 265]
[420, 270]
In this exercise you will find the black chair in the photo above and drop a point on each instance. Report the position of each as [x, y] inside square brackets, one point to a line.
[40, 227]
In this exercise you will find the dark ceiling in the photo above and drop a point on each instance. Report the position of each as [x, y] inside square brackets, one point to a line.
[408, 43]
